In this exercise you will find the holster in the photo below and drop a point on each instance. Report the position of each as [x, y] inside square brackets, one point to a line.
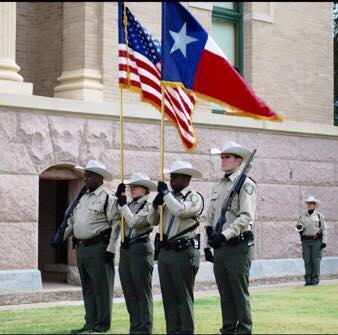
[125, 243]
[209, 230]
[318, 236]
[158, 244]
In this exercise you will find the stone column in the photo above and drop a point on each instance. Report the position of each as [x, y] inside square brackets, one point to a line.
[81, 77]
[10, 80]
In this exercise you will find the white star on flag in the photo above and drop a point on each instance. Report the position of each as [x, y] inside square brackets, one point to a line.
[181, 40]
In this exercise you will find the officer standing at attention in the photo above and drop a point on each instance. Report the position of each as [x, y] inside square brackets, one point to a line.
[136, 253]
[94, 225]
[232, 248]
[179, 257]
[313, 233]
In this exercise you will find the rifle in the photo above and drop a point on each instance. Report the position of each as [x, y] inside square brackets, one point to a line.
[57, 240]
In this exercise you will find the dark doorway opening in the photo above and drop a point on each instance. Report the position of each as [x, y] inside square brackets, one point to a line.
[53, 202]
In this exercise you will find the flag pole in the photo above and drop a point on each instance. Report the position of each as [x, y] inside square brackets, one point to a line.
[121, 157]
[121, 118]
[162, 158]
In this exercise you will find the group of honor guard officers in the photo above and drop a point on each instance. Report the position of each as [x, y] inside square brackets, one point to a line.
[95, 229]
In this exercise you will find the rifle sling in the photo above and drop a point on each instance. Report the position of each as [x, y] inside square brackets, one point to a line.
[320, 222]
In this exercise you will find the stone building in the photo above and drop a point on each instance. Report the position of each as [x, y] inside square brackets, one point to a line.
[60, 106]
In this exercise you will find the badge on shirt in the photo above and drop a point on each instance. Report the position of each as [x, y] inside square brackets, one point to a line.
[248, 188]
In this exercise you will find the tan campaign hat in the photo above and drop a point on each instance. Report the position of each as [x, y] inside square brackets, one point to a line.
[183, 167]
[313, 199]
[232, 148]
[141, 179]
[96, 167]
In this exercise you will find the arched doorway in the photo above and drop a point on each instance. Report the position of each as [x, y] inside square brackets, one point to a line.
[58, 185]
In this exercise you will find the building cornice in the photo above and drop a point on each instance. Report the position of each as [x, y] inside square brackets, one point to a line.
[143, 112]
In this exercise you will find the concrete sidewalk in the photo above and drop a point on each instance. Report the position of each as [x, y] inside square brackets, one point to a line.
[158, 297]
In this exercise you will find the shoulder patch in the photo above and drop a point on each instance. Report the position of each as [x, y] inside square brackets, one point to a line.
[248, 188]
[194, 198]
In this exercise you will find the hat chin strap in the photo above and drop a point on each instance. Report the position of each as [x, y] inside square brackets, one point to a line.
[229, 172]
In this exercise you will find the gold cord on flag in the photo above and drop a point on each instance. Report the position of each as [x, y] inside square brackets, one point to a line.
[162, 158]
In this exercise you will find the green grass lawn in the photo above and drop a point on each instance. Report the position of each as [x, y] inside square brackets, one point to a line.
[305, 310]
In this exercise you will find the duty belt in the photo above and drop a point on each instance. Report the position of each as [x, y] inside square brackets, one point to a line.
[182, 243]
[246, 236]
[103, 236]
[142, 238]
[309, 238]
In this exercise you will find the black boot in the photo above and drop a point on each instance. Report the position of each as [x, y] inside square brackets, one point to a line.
[84, 329]
[100, 329]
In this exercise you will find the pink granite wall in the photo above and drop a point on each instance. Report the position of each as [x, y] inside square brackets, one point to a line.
[287, 169]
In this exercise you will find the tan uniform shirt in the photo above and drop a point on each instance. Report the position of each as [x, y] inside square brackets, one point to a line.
[311, 224]
[89, 219]
[181, 211]
[137, 223]
[241, 215]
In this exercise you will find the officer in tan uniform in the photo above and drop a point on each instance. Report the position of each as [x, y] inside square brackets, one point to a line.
[178, 259]
[232, 247]
[136, 253]
[313, 232]
[94, 225]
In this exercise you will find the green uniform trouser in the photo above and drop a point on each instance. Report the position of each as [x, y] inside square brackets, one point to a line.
[136, 270]
[231, 268]
[97, 279]
[177, 271]
[312, 255]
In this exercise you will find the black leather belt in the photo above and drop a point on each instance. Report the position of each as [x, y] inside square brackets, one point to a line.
[181, 243]
[140, 240]
[246, 236]
[308, 238]
[103, 236]
[128, 242]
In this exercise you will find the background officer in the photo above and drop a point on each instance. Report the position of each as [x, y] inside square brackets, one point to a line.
[312, 228]
[232, 258]
[95, 227]
[136, 253]
[179, 257]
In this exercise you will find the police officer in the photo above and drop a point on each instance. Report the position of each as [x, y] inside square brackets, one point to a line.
[313, 235]
[136, 253]
[232, 251]
[178, 259]
[94, 225]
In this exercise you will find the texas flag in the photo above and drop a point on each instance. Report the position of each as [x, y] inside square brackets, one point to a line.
[192, 59]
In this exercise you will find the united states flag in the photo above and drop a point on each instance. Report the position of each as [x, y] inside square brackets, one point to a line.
[140, 70]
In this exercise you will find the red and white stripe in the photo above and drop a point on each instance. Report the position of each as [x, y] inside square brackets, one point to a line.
[144, 75]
